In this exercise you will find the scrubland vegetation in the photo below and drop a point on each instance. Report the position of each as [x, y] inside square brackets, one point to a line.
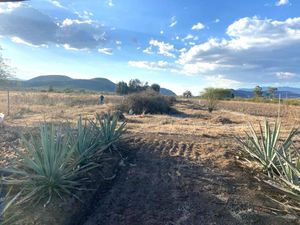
[59, 151]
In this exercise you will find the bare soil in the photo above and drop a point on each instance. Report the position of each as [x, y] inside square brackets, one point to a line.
[191, 181]
[182, 169]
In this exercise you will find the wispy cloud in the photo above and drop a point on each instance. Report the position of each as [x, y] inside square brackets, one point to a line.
[282, 2]
[21, 41]
[159, 65]
[284, 75]
[110, 3]
[173, 21]
[198, 26]
[163, 48]
[263, 47]
[106, 51]
[56, 3]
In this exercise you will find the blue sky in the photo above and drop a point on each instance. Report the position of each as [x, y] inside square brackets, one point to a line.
[182, 45]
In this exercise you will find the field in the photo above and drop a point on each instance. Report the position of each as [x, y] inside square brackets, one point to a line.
[184, 168]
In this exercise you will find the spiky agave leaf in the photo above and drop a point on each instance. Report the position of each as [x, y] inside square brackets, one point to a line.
[109, 129]
[47, 170]
[262, 145]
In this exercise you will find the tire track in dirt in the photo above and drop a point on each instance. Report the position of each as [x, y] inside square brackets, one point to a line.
[170, 185]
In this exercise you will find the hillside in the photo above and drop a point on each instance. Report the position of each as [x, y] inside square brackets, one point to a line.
[63, 82]
[284, 92]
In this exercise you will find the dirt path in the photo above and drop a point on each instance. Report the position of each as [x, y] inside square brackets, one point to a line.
[170, 183]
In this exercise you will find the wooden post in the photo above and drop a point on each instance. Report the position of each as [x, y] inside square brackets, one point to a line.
[8, 103]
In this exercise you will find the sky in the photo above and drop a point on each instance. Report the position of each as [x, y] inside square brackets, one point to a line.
[179, 44]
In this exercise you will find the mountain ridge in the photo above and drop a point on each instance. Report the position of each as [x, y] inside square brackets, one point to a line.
[64, 82]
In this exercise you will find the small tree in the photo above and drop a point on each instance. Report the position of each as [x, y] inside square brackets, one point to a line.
[258, 92]
[211, 96]
[122, 88]
[4, 69]
[155, 87]
[272, 91]
[135, 85]
[5, 73]
[187, 94]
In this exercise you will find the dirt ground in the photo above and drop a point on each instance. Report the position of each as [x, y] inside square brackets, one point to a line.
[186, 172]
[182, 169]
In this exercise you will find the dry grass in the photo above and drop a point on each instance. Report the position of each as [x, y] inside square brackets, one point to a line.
[210, 134]
[30, 108]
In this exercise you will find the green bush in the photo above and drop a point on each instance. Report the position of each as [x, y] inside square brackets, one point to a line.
[147, 102]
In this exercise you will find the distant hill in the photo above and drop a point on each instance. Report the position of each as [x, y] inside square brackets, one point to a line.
[284, 92]
[63, 82]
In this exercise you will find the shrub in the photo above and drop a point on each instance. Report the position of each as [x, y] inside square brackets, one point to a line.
[147, 102]
[187, 94]
[211, 97]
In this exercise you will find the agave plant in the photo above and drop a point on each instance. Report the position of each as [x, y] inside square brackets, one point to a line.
[264, 146]
[85, 139]
[8, 214]
[109, 130]
[47, 169]
[289, 171]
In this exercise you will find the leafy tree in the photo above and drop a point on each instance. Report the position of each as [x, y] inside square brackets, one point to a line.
[155, 87]
[211, 96]
[272, 91]
[4, 69]
[5, 73]
[135, 85]
[187, 94]
[258, 92]
[219, 93]
[122, 88]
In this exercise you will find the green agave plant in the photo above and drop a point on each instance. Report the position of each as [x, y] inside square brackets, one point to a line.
[9, 215]
[109, 130]
[264, 145]
[289, 172]
[280, 161]
[47, 170]
[85, 138]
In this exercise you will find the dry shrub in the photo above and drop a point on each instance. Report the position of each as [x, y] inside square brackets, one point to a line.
[147, 102]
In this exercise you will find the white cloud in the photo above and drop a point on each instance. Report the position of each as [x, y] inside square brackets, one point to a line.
[163, 48]
[10, 6]
[173, 24]
[56, 3]
[198, 26]
[188, 37]
[21, 41]
[106, 51]
[255, 50]
[69, 22]
[69, 47]
[219, 81]
[110, 3]
[159, 65]
[217, 20]
[282, 2]
[284, 75]
[148, 50]
[161, 32]
[173, 21]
